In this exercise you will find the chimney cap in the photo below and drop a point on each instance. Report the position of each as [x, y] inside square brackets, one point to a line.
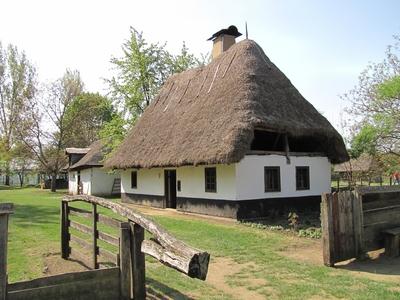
[231, 30]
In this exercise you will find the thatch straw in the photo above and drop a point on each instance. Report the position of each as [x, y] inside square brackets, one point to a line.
[207, 115]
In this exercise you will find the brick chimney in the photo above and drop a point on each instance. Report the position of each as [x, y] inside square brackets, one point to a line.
[223, 40]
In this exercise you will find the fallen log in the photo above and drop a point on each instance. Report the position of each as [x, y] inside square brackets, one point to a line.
[165, 247]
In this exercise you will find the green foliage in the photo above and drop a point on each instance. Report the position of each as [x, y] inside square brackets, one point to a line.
[364, 141]
[142, 70]
[114, 131]
[375, 106]
[85, 117]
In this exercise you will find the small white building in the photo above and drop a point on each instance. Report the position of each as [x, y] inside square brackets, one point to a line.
[234, 138]
[86, 174]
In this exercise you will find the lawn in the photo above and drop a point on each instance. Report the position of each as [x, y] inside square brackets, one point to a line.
[250, 259]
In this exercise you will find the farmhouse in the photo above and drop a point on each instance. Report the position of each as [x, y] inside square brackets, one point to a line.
[86, 174]
[234, 138]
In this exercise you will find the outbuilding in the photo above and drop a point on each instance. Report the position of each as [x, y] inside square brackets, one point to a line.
[234, 138]
[86, 174]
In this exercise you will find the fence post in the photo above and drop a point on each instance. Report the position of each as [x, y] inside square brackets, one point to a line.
[137, 262]
[5, 210]
[65, 237]
[125, 260]
[95, 235]
[327, 230]
[358, 224]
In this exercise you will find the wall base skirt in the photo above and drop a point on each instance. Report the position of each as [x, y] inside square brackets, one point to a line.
[236, 209]
[146, 200]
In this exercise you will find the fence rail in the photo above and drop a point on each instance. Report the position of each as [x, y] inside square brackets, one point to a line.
[125, 280]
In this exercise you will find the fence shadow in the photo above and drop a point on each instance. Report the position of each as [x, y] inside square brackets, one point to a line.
[379, 263]
[159, 291]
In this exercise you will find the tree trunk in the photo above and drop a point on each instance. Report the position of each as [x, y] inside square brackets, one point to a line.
[7, 173]
[53, 182]
[21, 179]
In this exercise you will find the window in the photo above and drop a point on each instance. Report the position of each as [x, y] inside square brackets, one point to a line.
[272, 179]
[210, 175]
[134, 179]
[302, 178]
[179, 186]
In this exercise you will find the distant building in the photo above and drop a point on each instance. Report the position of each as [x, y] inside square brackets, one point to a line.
[86, 174]
[234, 138]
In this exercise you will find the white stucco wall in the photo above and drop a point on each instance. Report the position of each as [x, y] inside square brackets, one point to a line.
[250, 176]
[86, 178]
[102, 181]
[241, 181]
[193, 182]
[72, 182]
[149, 182]
[95, 181]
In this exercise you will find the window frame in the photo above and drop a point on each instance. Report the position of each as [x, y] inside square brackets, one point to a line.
[279, 187]
[307, 186]
[134, 183]
[207, 179]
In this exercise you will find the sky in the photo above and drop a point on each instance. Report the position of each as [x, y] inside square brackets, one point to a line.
[321, 46]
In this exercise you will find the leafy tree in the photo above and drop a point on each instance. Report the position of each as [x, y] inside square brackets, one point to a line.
[114, 131]
[44, 129]
[375, 106]
[85, 117]
[143, 69]
[22, 161]
[17, 88]
[140, 72]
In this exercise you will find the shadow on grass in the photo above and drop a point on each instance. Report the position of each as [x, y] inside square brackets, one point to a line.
[158, 291]
[381, 264]
[35, 215]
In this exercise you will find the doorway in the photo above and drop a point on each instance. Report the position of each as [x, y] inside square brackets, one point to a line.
[79, 183]
[170, 188]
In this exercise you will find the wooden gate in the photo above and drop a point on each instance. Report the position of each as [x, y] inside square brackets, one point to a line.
[353, 222]
[341, 221]
[119, 275]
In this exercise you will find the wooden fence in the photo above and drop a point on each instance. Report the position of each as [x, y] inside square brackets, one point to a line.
[119, 275]
[353, 222]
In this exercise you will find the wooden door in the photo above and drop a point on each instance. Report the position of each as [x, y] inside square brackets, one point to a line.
[170, 188]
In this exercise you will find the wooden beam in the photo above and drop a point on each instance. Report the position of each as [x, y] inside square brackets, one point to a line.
[80, 212]
[108, 221]
[138, 270]
[80, 227]
[5, 210]
[125, 261]
[108, 238]
[94, 236]
[198, 260]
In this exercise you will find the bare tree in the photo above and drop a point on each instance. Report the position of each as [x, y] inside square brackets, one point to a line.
[44, 128]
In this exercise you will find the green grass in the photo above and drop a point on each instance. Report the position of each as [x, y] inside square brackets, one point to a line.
[34, 233]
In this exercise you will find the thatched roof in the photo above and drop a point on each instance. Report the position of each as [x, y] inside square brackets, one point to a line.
[93, 158]
[208, 115]
[76, 150]
[365, 163]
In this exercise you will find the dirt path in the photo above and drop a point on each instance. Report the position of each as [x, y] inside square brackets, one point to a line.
[219, 271]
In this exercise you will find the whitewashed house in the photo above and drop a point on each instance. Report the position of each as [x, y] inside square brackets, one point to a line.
[234, 138]
[86, 174]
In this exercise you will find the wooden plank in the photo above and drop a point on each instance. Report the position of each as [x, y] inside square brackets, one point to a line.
[358, 225]
[336, 228]
[125, 257]
[108, 238]
[388, 215]
[94, 236]
[63, 278]
[393, 231]
[350, 249]
[81, 227]
[111, 257]
[65, 236]
[392, 245]
[327, 230]
[137, 261]
[109, 221]
[5, 210]
[103, 286]
[80, 212]
[81, 242]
